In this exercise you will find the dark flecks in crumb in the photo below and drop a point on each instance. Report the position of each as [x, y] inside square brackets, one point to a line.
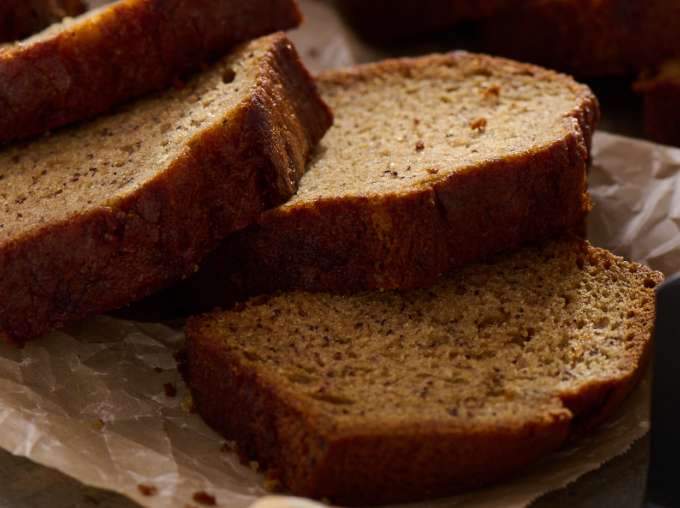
[478, 125]
[420, 146]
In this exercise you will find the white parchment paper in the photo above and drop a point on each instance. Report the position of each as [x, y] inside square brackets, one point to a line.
[96, 401]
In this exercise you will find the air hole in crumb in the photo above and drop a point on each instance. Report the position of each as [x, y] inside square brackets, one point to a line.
[228, 76]
[649, 283]
[332, 399]
[602, 322]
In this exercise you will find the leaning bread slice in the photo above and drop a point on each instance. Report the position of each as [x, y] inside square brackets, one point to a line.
[395, 396]
[130, 47]
[96, 216]
[431, 163]
[21, 18]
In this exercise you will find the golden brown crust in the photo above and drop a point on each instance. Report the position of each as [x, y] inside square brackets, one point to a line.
[21, 18]
[409, 239]
[587, 37]
[106, 257]
[102, 61]
[359, 466]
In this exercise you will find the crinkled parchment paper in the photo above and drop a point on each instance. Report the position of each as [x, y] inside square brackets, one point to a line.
[95, 401]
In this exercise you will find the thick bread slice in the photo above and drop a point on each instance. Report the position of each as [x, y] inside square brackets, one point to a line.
[661, 92]
[21, 18]
[431, 163]
[587, 37]
[85, 66]
[396, 396]
[94, 217]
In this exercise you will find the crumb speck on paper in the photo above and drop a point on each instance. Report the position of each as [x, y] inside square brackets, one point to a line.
[187, 404]
[170, 390]
[205, 499]
[98, 424]
[147, 490]
[479, 124]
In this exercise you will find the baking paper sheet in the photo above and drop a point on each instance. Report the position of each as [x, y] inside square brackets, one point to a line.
[96, 401]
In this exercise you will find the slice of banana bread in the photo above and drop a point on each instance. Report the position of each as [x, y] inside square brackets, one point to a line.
[431, 163]
[97, 216]
[21, 18]
[396, 396]
[121, 51]
[661, 91]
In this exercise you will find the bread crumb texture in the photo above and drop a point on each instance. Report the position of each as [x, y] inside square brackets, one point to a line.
[95, 165]
[400, 121]
[496, 341]
[497, 364]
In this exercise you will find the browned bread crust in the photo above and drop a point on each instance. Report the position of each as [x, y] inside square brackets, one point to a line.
[662, 103]
[228, 173]
[123, 51]
[587, 37]
[21, 18]
[317, 455]
[384, 20]
[407, 239]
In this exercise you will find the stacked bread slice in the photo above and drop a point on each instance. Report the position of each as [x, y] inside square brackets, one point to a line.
[87, 65]
[100, 214]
